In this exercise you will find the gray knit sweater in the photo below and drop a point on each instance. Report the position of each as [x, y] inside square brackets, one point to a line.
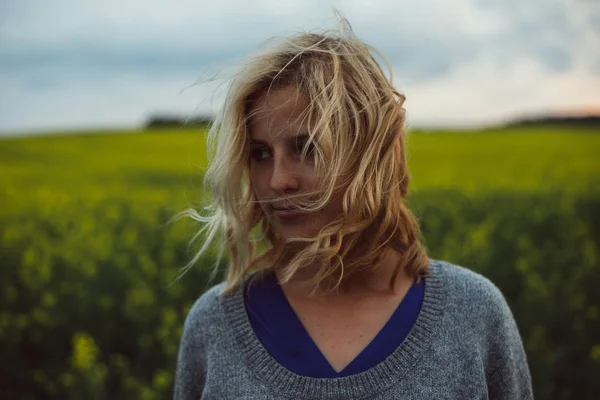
[464, 345]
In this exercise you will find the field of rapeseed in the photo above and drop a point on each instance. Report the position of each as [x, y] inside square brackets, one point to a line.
[89, 303]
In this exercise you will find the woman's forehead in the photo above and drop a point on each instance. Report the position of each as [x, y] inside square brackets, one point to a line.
[279, 113]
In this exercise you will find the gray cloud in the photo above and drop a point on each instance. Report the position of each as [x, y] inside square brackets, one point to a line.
[64, 51]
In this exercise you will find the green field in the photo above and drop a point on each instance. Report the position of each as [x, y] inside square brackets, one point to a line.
[513, 160]
[165, 167]
[89, 306]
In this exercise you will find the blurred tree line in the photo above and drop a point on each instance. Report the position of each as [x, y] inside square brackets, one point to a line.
[583, 121]
[170, 121]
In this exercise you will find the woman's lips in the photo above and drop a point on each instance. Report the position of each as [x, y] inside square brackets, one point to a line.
[286, 213]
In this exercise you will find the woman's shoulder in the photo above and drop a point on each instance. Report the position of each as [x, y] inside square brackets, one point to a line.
[469, 290]
[206, 306]
[477, 309]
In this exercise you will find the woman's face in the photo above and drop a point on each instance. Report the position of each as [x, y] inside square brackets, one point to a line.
[278, 133]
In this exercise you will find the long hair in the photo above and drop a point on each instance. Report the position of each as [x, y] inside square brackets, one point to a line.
[358, 130]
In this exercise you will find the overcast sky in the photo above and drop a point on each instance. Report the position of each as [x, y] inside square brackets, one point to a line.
[112, 63]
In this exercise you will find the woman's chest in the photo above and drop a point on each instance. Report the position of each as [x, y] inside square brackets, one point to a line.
[342, 331]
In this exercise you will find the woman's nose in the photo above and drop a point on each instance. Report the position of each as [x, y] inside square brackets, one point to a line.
[284, 177]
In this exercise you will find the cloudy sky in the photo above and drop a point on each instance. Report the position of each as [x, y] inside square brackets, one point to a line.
[67, 64]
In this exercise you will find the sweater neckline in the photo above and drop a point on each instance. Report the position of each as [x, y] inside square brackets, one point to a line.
[378, 378]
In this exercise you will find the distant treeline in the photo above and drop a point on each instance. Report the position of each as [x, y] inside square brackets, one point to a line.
[164, 121]
[586, 121]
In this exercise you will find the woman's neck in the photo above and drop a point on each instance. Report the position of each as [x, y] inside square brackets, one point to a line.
[374, 281]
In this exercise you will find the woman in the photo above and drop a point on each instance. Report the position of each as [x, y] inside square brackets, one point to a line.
[329, 292]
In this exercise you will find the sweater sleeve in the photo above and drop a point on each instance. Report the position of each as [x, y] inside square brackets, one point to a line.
[507, 372]
[191, 366]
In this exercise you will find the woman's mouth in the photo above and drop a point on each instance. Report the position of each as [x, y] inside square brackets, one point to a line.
[286, 213]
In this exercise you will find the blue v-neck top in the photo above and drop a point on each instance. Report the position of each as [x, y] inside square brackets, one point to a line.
[285, 338]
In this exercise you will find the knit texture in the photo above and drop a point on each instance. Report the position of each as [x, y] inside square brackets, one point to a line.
[464, 345]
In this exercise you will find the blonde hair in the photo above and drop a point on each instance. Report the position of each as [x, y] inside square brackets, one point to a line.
[358, 131]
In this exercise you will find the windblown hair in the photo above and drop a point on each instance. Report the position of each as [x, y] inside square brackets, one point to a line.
[357, 130]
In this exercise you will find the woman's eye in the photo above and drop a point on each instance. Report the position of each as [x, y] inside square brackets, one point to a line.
[260, 154]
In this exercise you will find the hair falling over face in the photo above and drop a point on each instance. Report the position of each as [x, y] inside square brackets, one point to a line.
[351, 123]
